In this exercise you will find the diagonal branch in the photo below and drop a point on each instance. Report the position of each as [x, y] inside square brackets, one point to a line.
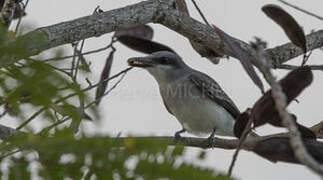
[302, 10]
[152, 11]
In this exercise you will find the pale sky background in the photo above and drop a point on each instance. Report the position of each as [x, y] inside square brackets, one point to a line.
[135, 107]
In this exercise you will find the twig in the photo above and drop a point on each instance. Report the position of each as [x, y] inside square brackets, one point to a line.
[123, 72]
[81, 48]
[93, 86]
[51, 66]
[306, 57]
[106, 93]
[242, 139]
[46, 129]
[85, 53]
[9, 154]
[115, 85]
[88, 81]
[75, 54]
[302, 10]
[78, 59]
[292, 67]
[201, 13]
[71, 95]
[32, 117]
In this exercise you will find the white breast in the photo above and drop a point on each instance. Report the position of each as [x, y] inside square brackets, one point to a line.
[199, 115]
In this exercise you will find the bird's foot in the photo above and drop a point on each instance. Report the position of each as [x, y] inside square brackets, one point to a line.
[210, 139]
[178, 134]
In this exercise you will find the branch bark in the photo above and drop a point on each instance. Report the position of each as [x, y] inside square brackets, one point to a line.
[153, 11]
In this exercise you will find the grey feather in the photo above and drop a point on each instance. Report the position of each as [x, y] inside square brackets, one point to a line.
[212, 89]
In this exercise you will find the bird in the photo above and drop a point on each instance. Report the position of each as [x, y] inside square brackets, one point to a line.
[194, 98]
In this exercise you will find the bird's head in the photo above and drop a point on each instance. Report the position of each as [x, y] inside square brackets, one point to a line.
[162, 64]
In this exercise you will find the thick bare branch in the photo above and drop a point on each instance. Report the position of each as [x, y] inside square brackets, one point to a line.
[283, 53]
[86, 27]
[153, 11]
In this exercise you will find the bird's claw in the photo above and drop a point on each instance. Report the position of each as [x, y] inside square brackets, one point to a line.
[211, 142]
[210, 139]
[178, 134]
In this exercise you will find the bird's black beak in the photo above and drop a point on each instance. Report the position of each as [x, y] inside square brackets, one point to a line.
[140, 62]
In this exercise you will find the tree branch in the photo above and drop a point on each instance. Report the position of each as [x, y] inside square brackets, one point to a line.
[273, 147]
[153, 11]
[283, 53]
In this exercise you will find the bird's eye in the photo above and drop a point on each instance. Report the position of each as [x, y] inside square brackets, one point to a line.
[163, 60]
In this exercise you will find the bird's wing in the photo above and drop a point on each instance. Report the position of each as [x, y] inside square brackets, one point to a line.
[212, 90]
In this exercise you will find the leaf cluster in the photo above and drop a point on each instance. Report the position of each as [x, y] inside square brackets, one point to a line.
[63, 156]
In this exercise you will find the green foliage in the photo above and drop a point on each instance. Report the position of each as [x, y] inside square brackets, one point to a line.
[19, 169]
[62, 155]
[40, 84]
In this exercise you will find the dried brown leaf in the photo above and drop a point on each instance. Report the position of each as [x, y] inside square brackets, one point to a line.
[143, 45]
[141, 31]
[279, 149]
[293, 84]
[139, 38]
[292, 29]
[104, 75]
[244, 57]
[264, 110]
